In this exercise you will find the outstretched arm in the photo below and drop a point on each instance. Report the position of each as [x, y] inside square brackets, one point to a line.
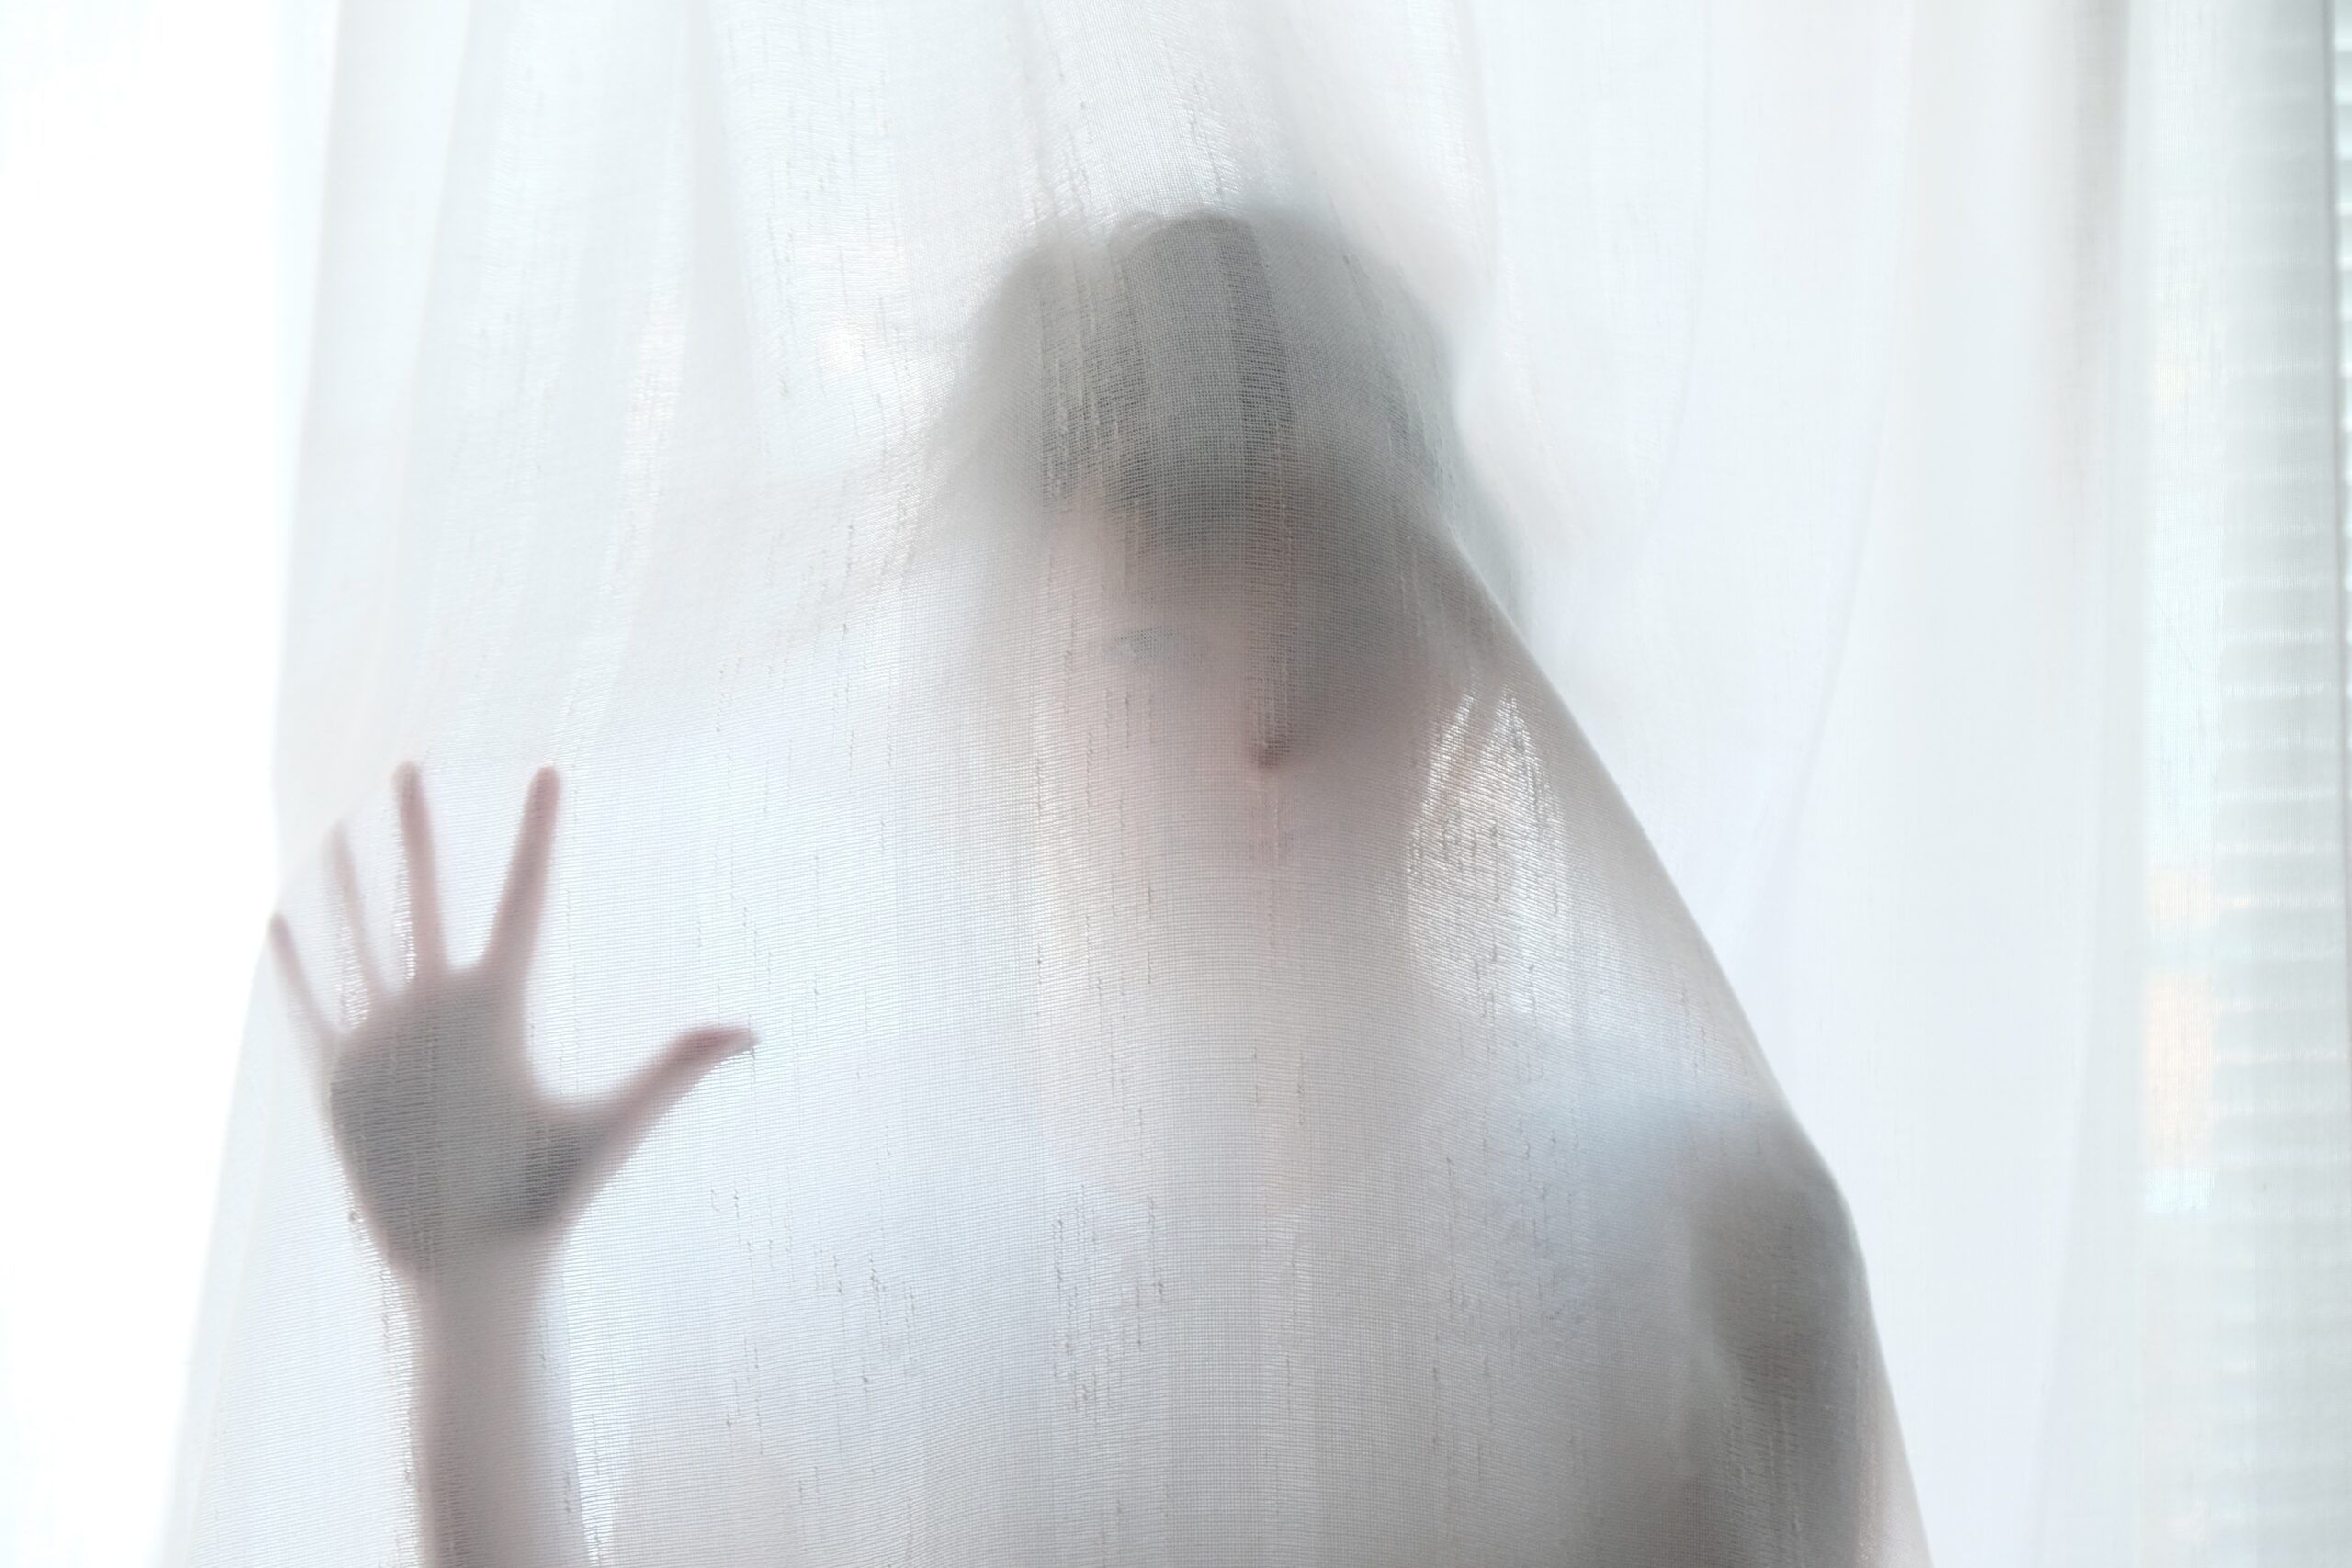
[467, 1174]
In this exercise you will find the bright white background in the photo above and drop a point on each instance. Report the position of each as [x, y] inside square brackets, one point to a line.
[143, 336]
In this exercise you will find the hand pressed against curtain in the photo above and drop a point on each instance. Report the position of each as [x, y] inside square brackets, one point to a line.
[468, 1174]
[456, 1155]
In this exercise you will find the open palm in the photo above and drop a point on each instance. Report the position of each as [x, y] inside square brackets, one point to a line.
[453, 1149]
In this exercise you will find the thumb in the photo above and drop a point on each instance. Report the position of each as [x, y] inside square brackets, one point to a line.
[619, 1122]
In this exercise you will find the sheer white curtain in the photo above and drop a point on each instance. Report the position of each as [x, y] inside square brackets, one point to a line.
[1903, 439]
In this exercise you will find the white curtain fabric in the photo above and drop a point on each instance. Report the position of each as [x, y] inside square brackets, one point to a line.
[1359, 697]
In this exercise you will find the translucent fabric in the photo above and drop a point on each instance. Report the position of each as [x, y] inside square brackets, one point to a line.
[956, 688]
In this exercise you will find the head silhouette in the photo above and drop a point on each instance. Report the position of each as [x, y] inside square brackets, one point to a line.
[1229, 435]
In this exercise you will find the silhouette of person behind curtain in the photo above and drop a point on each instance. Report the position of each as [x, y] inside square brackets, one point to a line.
[1368, 1030]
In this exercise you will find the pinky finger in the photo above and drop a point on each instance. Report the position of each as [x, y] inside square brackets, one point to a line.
[301, 1002]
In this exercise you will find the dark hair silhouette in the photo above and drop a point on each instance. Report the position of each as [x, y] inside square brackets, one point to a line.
[1242, 385]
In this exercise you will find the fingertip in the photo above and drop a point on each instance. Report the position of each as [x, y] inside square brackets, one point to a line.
[722, 1043]
[538, 802]
[408, 791]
